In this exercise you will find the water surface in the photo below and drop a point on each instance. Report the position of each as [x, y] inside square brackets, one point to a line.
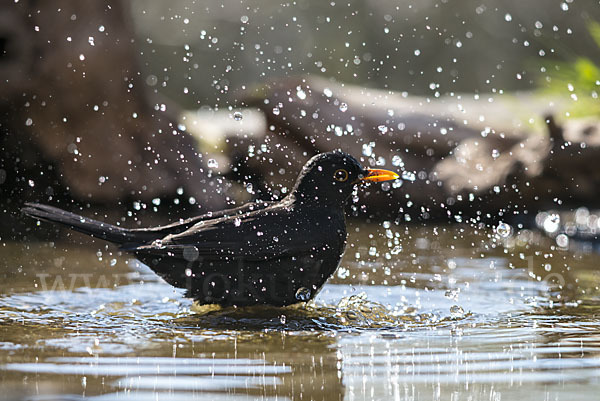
[412, 314]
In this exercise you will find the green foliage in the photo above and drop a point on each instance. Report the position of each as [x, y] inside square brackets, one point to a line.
[579, 79]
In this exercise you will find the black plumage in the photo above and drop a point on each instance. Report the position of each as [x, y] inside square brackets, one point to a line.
[276, 253]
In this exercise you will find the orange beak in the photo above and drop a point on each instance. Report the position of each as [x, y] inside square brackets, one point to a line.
[376, 175]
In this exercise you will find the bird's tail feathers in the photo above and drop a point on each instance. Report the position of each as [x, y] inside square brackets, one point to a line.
[82, 224]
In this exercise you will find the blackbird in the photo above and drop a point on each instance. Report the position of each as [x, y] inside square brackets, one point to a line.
[276, 253]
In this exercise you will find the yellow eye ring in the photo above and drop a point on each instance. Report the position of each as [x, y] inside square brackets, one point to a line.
[340, 175]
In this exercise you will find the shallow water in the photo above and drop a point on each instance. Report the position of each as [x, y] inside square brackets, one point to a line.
[412, 314]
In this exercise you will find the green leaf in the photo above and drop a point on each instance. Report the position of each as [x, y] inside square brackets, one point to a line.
[594, 30]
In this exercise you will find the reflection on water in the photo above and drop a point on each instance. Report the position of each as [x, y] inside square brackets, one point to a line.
[437, 313]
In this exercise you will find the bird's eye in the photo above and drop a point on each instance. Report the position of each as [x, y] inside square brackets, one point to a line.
[340, 175]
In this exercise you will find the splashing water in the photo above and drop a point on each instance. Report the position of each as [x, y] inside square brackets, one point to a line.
[384, 313]
[503, 230]
[303, 294]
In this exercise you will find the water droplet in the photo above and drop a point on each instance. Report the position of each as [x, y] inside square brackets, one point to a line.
[212, 163]
[383, 129]
[452, 294]
[91, 41]
[507, 17]
[237, 116]
[31, 183]
[343, 107]
[282, 319]
[562, 240]
[504, 230]
[151, 80]
[237, 222]
[156, 201]
[29, 122]
[190, 253]
[343, 273]
[303, 294]
[300, 93]
[409, 176]
[244, 19]
[276, 111]
[327, 92]
[551, 223]
[188, 272]
[397, 161]
[456, 312]
[157, 243]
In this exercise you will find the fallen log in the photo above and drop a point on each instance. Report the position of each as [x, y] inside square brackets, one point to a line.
[462, 157]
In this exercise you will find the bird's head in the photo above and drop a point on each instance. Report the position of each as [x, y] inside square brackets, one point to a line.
[330, 178]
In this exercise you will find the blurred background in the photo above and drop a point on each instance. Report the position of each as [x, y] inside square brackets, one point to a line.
[172, 109]
[426, 47]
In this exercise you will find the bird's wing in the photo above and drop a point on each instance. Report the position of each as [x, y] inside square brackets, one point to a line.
[260, 235]
[183, 225]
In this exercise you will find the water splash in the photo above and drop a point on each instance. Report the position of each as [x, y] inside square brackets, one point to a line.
[303, 294]
[503, 230]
